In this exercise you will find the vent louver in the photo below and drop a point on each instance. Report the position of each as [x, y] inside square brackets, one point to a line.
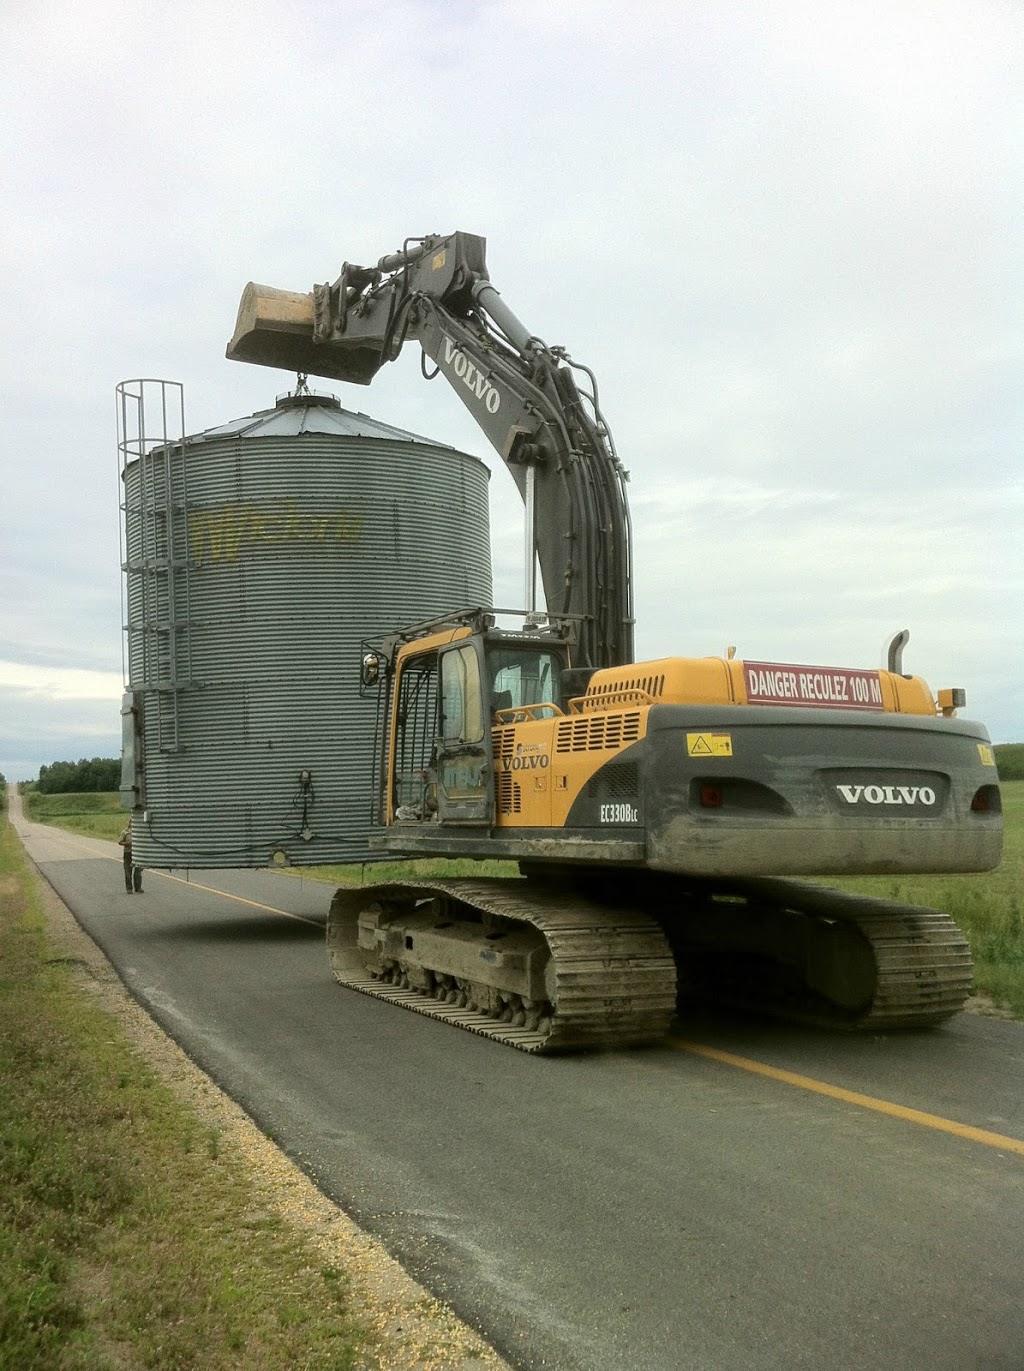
[597, 733]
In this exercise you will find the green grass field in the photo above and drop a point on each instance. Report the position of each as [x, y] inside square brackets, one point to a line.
[989, 907]
[96, 814]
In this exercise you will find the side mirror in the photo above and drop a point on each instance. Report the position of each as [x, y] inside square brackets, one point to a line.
[370, 671]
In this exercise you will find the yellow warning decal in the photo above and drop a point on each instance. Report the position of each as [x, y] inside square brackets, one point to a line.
[709, 744]
[988, 757]
[438, 260]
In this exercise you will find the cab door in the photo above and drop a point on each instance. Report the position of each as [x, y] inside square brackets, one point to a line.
[465, 775]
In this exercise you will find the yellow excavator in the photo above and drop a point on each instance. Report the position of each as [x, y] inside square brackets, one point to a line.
[652, 807]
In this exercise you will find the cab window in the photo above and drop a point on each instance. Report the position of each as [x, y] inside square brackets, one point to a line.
[523, 676]
[461, 703]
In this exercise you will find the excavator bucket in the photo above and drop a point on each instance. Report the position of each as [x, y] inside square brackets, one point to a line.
[275, 329]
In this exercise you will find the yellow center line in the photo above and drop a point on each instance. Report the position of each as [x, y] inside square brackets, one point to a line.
[195, 885]
[240, 899]
[836, 1092]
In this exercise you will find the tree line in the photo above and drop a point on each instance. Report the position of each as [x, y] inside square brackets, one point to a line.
[88, 774]
[104, 773]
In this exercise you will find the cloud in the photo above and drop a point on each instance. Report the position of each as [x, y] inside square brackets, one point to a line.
[59, 683]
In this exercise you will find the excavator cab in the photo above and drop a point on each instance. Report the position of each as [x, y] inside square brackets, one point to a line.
[451, 693]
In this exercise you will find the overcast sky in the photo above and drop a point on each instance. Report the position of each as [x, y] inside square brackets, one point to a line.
[786, 237]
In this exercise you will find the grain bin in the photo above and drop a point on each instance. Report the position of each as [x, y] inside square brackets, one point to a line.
[257, 556]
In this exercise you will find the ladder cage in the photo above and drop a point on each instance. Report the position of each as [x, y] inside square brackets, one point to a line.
[155, 590]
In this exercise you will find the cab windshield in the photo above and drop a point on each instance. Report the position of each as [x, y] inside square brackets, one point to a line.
[522, 676]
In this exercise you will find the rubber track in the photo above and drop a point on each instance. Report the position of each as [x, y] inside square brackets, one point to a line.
[615, 981]
[922, 958]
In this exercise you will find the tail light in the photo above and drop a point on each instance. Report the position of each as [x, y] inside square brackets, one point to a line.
[987, 800]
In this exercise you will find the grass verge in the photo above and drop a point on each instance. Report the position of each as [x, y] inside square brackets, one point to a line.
[96, 814]
[128, 1239]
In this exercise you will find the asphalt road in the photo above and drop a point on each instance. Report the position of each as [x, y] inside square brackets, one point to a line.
[658, 1209]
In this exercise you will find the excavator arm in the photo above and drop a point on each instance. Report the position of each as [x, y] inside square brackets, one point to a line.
[522, 393]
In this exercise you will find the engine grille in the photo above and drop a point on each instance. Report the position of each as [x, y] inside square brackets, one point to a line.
[616, 781]
[597, 733]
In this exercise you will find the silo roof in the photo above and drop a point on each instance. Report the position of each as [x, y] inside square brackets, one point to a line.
[310, 413]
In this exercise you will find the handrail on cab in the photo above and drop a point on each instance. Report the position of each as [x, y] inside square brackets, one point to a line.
[581, 704]
[521, 714]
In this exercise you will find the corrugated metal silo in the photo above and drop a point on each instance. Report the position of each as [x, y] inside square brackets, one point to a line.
[257, 557]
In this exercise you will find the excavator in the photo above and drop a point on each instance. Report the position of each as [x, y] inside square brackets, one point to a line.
[665, 816]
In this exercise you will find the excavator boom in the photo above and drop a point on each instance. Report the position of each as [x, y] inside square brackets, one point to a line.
[522, 393]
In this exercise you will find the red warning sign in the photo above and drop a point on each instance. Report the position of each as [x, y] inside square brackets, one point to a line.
[819, 687]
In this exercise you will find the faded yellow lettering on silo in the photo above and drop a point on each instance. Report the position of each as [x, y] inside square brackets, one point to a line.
[346, 528]
[222, 533]
[257, 529]
[216, 531]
